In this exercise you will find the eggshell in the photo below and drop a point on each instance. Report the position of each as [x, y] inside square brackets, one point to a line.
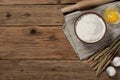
[116, 61]
[111, 71]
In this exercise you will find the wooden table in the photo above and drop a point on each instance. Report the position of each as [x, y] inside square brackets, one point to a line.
[33, 45]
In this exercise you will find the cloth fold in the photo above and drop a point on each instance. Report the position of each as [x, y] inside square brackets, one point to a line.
[85, 50]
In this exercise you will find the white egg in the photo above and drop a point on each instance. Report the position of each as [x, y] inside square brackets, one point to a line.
[116, 61]
[111, 71]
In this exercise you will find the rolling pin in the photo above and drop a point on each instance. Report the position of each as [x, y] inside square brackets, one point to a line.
[84, 4]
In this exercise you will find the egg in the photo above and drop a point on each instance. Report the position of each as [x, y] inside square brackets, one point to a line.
[111, 71]
[116, 62]
[112, 15]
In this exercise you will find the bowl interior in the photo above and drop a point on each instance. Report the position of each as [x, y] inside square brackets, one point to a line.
[90, 27]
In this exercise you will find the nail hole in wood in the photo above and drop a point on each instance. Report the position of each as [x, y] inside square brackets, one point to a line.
[33, 31]
[54, 69]
[22, 70]
[27, 14]
[8, 15]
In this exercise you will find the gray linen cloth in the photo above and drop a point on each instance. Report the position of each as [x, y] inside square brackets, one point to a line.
[85, 50]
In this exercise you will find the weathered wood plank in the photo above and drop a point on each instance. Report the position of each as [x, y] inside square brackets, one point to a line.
[4, 2]
[69, 1]
[30, 15]
[34, 43]
[11, 2]
[48, 70]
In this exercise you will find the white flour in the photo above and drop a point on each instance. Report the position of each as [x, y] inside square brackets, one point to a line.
[90, 28]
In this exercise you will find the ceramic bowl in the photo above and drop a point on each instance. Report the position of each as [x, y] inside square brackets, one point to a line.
[83, 14]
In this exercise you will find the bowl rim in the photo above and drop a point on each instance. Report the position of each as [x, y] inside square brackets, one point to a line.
[75, 23]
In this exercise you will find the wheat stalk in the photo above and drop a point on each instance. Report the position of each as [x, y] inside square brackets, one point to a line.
[101, 59]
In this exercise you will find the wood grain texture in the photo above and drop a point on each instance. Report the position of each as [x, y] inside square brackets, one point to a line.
[33, 45]
[69, 1]
[47, 70]
[30, 15]
[9, 2]
[34, 42]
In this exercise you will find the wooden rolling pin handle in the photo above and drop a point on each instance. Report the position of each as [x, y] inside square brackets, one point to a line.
[84, 4]
[69, 9]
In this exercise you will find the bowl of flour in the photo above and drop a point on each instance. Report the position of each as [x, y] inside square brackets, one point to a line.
[90, 27]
